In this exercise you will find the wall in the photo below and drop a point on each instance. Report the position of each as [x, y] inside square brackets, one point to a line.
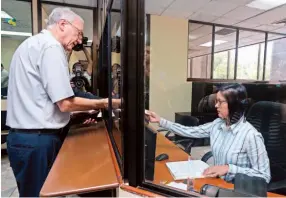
[8, 47]
[115, 58]
[169, 91]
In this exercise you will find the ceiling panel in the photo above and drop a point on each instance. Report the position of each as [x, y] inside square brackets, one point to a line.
[173, 13]
[242, 13]
[203, 17]
[226, 21]
[269, 16]
[218, 8]
[267, 27]
[187, 5]
[247, 24]
[156, 7]
[237, 2]
[281, 30]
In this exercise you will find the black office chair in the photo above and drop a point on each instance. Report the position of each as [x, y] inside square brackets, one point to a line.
[184, 143]
[269, 118]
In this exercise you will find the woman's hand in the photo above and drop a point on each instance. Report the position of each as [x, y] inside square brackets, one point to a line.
[216, 171]
[152, 116]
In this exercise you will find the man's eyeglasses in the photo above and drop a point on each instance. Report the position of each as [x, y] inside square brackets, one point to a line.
[219, 102]
[80, 33]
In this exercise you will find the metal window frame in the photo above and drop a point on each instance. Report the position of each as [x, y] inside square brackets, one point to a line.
[238, 29]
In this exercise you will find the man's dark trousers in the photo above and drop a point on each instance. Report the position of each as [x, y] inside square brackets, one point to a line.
[31, 156]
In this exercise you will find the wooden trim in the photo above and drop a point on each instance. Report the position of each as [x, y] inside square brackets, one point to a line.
[138, 191]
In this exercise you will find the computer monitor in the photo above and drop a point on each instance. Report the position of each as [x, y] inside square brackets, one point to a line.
[150, 150]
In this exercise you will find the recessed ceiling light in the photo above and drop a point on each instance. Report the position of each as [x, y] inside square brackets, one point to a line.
[16, 33]
[209, 44]
[265, 4]
[4, 15]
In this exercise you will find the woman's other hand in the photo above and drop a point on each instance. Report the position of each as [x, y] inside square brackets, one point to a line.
[216, 171]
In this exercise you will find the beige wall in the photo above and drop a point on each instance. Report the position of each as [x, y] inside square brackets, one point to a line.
[115, 58]
[8, 47]
[169, 91]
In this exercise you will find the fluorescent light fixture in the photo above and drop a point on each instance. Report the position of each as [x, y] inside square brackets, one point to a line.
[265, 4]
[16, 33]
[4, 15]
[209, 44]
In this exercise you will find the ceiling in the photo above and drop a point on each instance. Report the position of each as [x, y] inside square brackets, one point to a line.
[227, 12]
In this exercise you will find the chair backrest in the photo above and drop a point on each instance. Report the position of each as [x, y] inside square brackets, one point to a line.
[269, 118]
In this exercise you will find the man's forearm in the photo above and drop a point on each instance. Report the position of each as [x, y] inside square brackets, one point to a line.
[81, 104]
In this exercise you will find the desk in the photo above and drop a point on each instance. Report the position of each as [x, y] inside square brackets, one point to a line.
[84, 164]
[161, 172]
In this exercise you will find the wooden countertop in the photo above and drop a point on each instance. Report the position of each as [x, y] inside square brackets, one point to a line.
[162, 173]
[84, 164]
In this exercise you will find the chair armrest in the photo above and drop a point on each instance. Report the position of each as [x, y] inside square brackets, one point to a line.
[277, 185]
[207, 156]
[187, 148]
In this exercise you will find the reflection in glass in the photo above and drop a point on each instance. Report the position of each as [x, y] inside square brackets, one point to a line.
[276, 59]
[250, 55]
[220, 65]
[224, 53]
[247, 62]
[200, 37]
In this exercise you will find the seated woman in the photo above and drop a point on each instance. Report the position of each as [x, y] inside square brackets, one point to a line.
[236, 145]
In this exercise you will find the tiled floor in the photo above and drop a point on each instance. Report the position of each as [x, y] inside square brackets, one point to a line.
[8, 183]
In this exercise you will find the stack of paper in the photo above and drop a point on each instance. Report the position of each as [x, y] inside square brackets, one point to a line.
[187, 169]
[181, 186]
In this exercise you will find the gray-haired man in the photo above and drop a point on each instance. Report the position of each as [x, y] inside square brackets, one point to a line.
[40, 99]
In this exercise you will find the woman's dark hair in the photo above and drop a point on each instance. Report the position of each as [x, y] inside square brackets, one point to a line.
[236, 97]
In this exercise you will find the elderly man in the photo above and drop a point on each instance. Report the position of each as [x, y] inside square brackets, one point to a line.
[40, 99]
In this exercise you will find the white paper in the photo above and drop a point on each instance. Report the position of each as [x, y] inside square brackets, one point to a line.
[187, 169]
[181, 186]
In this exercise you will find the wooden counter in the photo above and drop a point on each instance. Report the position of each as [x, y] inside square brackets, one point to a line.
[84, 164]
[162, 173]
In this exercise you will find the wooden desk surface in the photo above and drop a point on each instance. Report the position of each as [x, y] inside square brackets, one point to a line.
[162, 173]
[84, 164]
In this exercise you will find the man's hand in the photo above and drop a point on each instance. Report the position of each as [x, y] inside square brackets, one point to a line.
[215, 171]
[90, 121]
[153, 117]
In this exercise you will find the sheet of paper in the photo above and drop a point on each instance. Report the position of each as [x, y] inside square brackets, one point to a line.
[187, 169]
[181, 186]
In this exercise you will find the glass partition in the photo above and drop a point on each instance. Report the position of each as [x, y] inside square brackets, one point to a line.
[276, 59]
[199, 50]
[224, 53]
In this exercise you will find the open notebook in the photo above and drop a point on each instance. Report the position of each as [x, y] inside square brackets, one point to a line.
[187, 169]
